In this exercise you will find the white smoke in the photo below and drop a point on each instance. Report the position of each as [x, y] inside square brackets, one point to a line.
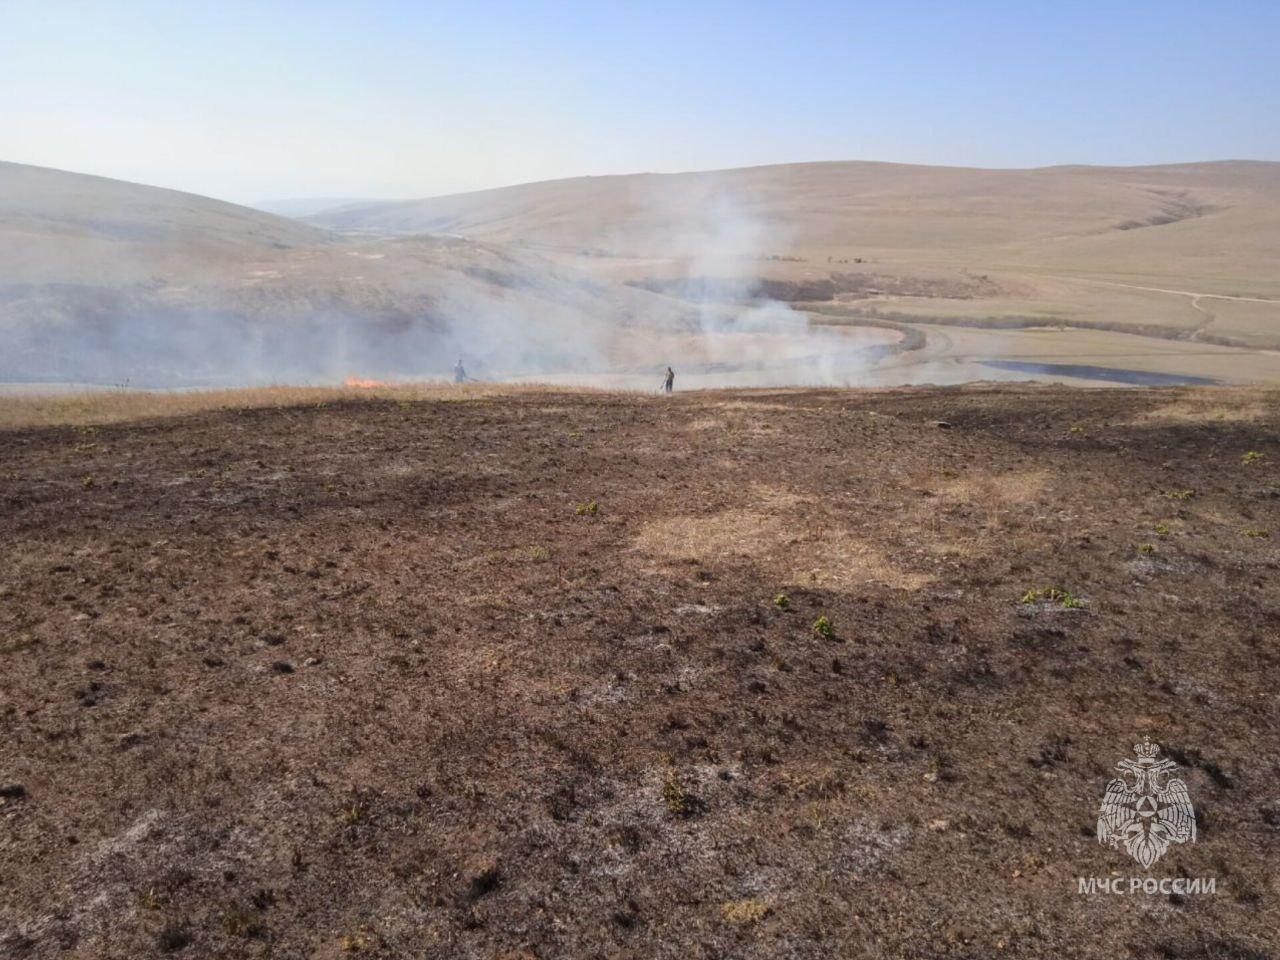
[715, 252]
[113, 295]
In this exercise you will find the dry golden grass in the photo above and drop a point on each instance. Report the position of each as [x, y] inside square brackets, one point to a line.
[840, 561]
[752, 406]
[727, 533]
[1208, 406]
[1006, 488]
[116, 406]
[776, 535]
[704, 424]
[748, 911]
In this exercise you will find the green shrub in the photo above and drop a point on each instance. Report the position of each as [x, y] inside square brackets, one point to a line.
[1063, 598]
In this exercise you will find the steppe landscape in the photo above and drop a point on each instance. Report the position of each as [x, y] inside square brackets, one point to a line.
[1188, 254]
[599, 481]
[378, 665]
[842, 274]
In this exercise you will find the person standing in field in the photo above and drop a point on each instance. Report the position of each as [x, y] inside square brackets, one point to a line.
[669, 381]
[459, 372]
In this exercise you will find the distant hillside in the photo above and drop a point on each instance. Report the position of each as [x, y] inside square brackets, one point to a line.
[104, 281]
[1186, 251]
[871, 208]
[306, 206]
[107, 282]
[58, 227]
[38, 202]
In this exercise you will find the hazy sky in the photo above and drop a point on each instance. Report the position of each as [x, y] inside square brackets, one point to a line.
[263, 100]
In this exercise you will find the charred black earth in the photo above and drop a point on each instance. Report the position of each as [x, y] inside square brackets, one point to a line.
[732, 674]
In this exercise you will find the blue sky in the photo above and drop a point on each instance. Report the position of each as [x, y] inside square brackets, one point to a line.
[250, 101]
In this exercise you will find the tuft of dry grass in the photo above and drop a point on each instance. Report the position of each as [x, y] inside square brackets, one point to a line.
[118, 406]
[1017, 487]
[674, 795]
[1207, 405]
[743, 912]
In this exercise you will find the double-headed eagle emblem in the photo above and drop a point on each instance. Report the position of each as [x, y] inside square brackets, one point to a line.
[1149, 812]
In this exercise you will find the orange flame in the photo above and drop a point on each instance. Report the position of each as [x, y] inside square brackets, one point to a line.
[362, 384]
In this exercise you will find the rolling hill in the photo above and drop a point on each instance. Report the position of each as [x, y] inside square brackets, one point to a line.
[1184, 250]
[105, 282]
[917, 274]
[877, 209]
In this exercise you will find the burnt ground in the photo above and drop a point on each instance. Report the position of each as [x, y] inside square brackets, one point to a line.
[373, 678]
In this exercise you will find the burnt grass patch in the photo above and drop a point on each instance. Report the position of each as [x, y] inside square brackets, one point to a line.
[357, 678]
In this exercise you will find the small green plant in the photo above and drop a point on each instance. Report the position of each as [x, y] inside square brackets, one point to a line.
[1077, 429]
[588, 509]
[356, 811]
[823, 628]
[1180, 494]
[1253, 456]
[1146, 548]
[782, 601]
[1063, 598]
[1255, 532]
[1162, 529]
